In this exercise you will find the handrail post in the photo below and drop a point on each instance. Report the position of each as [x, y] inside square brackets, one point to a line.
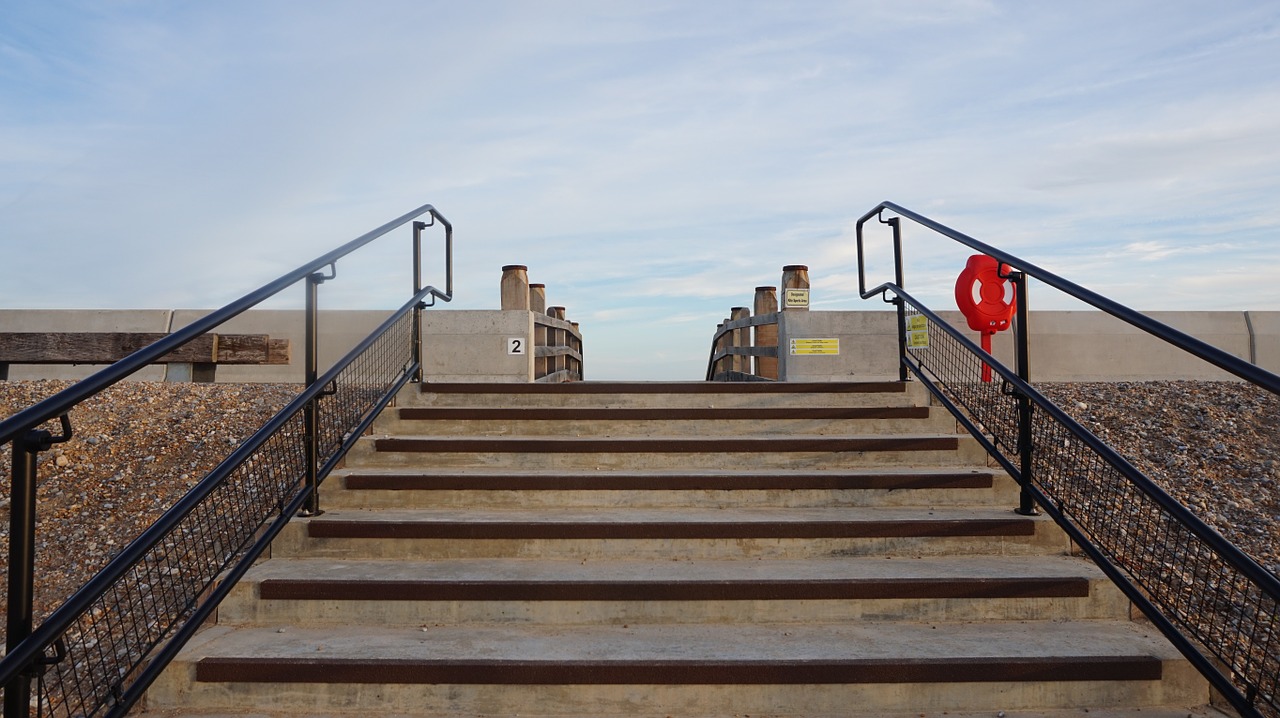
[1026, 504]
[311, 415]
[22, 526]
[896, 224]
[417, 309]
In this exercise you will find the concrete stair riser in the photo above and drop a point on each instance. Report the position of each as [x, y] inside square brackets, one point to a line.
[620, 666]
[669, 396]
[663, 427]
[916, 452]
[313, 592]
[369, 489]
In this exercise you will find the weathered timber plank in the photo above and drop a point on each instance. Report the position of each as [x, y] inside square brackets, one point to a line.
[108, 347]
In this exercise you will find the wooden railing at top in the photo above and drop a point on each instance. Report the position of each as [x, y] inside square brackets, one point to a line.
[745, 347]
[557, 341]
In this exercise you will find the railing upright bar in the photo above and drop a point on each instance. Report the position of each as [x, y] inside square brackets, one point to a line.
[22, 522]
[901, 306]
[417, 308]
[1026, 446]
[311, 415]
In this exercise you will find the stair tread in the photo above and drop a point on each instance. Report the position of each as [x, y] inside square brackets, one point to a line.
[737, 443]
[954, 645]
[561, 413]
[625, 514]
[666, 387]
[780, 473]
[971, 569]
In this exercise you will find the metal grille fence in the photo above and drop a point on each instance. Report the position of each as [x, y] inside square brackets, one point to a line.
[109, 641]
[1172, 558]
[360, 387]
[112, 638]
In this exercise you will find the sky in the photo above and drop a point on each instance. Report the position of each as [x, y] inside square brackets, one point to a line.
[650, 162]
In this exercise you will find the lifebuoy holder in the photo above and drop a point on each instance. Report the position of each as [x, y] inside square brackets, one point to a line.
[986, 299]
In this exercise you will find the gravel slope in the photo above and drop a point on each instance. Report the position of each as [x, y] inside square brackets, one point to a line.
[139, 446]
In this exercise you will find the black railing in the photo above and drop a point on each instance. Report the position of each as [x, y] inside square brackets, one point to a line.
[99, 651]
[1212, 601]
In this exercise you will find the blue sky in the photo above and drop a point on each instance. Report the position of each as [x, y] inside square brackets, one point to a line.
[651, 162]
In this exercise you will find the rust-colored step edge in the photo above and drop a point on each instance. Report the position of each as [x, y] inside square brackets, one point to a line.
[646, 387]
[610, 480]
[634, 590]
[356, 529]
[692, 672]
[627, 414]
[668, 445]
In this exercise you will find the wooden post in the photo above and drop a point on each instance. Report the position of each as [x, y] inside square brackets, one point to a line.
[795, 277]
[560, 362]
[575, 343]
[766, 335]
[538, 303]
[538, 298]
[719, 365]
[741, 338]
[515, 287]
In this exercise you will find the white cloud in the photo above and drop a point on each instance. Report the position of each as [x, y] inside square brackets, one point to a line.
[655, 159]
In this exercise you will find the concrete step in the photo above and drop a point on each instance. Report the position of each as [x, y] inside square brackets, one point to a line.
[668, 395]
[368, 487]
[312, 592]
[710, 669]
[702, 421]
[1205, 711]
[621, 532]
[677, 452]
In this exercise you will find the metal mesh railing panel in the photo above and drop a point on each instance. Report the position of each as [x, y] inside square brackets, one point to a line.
[958, 372]
[109, 642]
[1190, 582]
[135, 614]
[363, 383]
[1198, 588]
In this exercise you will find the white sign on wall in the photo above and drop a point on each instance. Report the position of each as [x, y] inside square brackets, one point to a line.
[516, 345]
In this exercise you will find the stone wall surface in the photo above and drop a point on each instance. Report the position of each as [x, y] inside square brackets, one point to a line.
[471, 345]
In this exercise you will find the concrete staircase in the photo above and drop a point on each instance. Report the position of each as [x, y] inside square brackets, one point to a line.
[673, 549]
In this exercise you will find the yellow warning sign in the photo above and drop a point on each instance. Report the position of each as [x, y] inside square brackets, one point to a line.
[916, 322]
[918, 340]
[810, 347]
[795, 298]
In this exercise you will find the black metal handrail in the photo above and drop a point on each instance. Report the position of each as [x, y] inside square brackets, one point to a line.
[1213, 602]
[275, 473]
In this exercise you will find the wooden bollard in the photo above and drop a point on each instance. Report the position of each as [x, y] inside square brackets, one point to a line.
[795, 288]
[766, 335]
[515, 287]
[538, 298]
[741, 338]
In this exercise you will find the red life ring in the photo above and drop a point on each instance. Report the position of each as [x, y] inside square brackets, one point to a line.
[985, 298]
